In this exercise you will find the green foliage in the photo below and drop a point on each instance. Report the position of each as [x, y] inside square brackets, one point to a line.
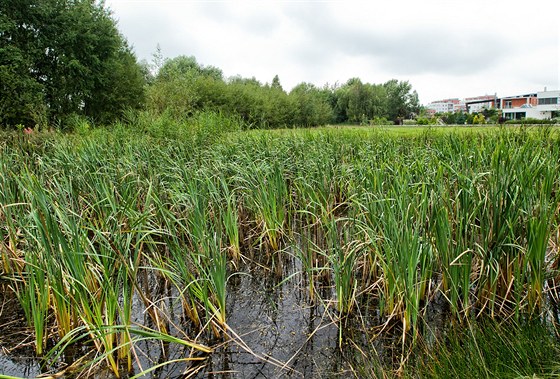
[60, 57]
[78, 124]
[200, 129]
[479, 119]
[427, 120]
[389, 230]
[380, 121]
[184, 87]
[356, 101]
[454, 118]
[531, 121]
[185, 65]
[173, 93]
[492, 350]
[120, 88]
[260, 106]
[476, 119]
[21, 97]
[401, 103]
[311, 107]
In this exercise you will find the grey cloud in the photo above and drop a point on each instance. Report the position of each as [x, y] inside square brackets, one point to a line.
[420, 50]
[258, 20]
[428, 52]
[145, 28]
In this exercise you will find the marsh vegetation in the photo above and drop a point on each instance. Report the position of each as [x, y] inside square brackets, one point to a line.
[298, 253]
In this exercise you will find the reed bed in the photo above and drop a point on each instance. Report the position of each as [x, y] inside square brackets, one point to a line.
[90, 224]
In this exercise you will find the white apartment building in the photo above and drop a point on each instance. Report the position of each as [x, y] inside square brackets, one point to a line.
[445, 106]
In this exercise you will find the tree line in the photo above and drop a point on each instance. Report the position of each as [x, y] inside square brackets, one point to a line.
[62, 58]
[183, 86]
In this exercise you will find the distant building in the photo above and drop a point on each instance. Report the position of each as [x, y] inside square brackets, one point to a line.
[548, 103]
[460, 107]
[430, 112]
[540, 105]
[518, 101]
[445, 106]
[519, 107]
[479, 103]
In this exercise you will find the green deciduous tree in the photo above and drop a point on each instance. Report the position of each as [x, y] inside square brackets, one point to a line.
[310, 104]
[454, 118]
[21, 96]
[62, 57]
[182, 86]
[365, 101]
[401, 102]
[362, 102]
[121, 86]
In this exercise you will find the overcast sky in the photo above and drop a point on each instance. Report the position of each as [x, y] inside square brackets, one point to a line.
[443, 48]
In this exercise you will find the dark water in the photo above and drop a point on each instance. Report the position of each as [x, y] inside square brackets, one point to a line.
[283, 332]
[276, 331]
[16, 357]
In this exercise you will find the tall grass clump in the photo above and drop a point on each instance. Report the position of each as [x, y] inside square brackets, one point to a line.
[198, 129]
[514, 218]
[267, 199]
[490, 350]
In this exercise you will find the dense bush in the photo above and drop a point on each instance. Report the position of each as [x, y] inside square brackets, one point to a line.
[381, 121]
[427, 120]
[531, 121]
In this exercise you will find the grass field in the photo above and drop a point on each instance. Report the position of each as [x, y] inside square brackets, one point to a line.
[389, 228]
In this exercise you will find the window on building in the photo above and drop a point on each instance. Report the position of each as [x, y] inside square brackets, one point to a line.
[548, 100]
[507, 104]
